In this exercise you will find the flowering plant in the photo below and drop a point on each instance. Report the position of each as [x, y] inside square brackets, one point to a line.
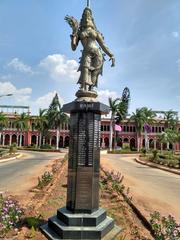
[10, 214]
[45, 179]
[165, 228]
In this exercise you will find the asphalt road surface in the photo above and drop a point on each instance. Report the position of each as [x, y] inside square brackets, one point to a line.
[152, 189]
[18, 175]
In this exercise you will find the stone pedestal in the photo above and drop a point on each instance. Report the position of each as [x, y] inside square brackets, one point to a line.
[82, 218]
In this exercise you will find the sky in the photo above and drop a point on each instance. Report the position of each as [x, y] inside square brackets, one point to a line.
[36, 59]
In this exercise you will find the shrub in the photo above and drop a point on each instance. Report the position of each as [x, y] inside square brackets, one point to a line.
[10, 214]
[13, 148]
[144, 151]
[45, 179]
[164, 228]
[155, 154]
[46, 146]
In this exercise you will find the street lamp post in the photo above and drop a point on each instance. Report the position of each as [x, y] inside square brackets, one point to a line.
[6, 95]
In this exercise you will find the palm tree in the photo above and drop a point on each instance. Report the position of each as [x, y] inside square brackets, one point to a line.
[170, 136]
[139, 118]
[21, 124]
[119, 110]
[56, 117]
[149, 119]
[42, 124]
[3, 123]
[170, 119]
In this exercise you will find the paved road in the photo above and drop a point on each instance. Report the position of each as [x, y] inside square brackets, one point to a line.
[152, 189]
[18, 175]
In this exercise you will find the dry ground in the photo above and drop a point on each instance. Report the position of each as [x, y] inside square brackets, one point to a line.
[44, 203]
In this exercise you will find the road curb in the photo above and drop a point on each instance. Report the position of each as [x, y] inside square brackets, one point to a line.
[10, 159]
[153, 165]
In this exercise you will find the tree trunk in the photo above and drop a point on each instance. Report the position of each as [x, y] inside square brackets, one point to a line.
[0, 137]
[146, 139]
[138, 142]
[40, 139]
[20, 140]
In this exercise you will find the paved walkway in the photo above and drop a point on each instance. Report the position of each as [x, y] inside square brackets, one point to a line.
[21, 174]
[152, 189]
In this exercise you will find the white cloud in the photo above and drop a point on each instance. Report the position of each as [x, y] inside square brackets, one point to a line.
[175, 34]
[60, 68]
[43, 102]
[103, 95]
[178, 64]
[18, 65]
[19, 95]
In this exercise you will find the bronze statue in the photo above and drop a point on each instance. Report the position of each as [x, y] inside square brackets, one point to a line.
[92, 59]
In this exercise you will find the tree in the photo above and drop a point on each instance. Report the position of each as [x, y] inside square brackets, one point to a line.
[119, 110]
[170, 119]
[21, 124]
[149, 119]
[122, 108]
[143, 116]
[42, 124]
[3, 123]
[56, 117]
[169, 136]
[139, 118]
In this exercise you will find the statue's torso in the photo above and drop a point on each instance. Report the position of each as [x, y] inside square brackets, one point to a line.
[88, 39]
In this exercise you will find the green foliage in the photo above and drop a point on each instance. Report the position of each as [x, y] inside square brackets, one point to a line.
[3, 121]
[44, 180]
[13, 148]
[46, 146]
[165, 228]
[55, 115]
[167, 158]
[170, 119]
[115, 179]
[144, 151]
[155, 154]
[10, 214]
[31, 233]
[33, 222]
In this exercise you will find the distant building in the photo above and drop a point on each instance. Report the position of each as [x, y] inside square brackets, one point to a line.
[128, 135]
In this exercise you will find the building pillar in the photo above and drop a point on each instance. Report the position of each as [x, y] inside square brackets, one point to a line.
[3, 140]
[17, 140]
[10, 139]
[50, 141]
[103, 143]
[37, 139]
[148, 143]
[155, 144]
[63, 141]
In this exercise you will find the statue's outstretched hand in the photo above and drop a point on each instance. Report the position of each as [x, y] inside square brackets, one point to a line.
[113, 61]
[73, 23]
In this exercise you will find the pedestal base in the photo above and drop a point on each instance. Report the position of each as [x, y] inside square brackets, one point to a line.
[69, 226]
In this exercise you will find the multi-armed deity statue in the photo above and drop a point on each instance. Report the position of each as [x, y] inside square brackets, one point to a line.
[94, 50]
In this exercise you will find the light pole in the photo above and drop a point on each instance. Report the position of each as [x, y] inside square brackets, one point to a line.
[6, 95]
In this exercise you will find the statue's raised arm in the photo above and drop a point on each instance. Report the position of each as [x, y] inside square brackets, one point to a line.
[75, 26]
[92, 59]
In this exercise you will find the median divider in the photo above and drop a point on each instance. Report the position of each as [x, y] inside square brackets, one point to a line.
[154, 165]
[10, 158]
